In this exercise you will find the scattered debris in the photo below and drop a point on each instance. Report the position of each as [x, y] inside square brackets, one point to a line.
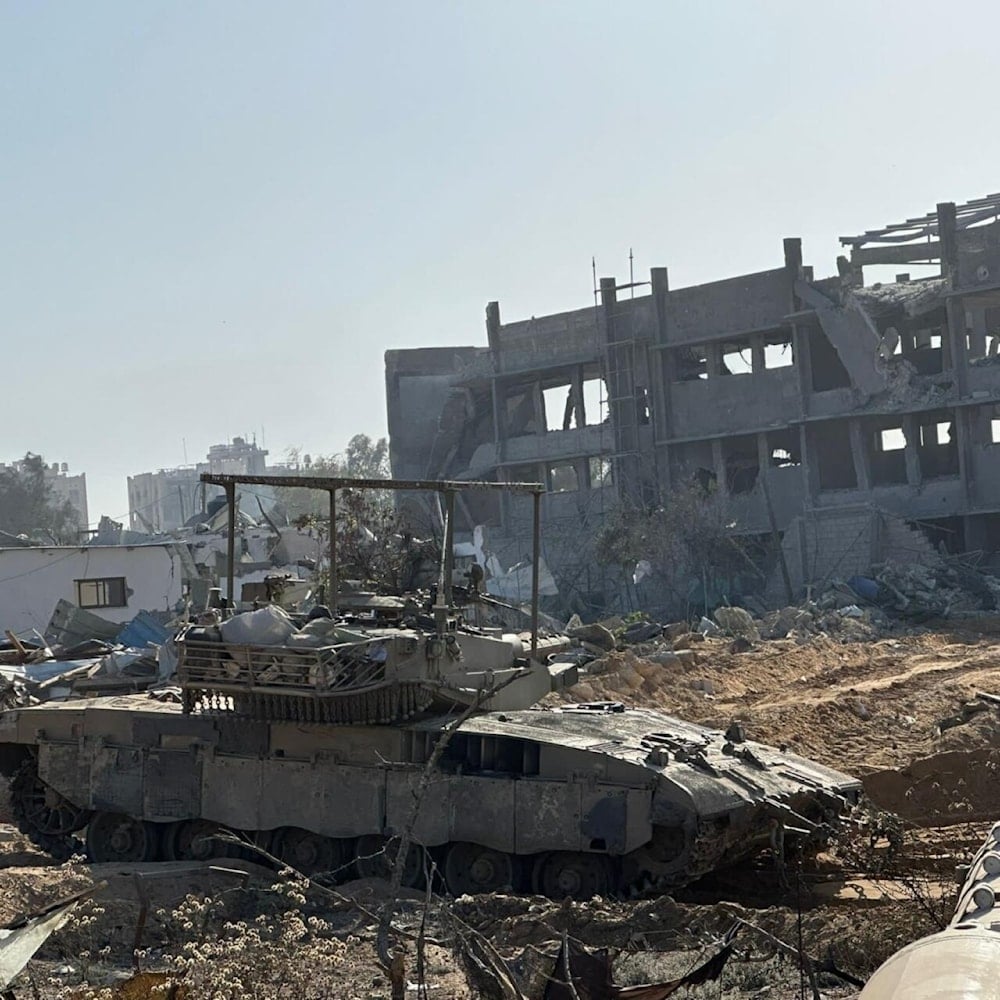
[22, 937]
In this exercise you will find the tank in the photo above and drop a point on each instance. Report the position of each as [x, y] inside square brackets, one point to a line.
[316, 754]
[318, 743]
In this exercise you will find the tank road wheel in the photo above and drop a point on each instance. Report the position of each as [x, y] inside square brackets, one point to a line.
[470, 868]
[578, 876]
[195, 840]
[42, 813]
[114, 837]
[376, 855]
[307, 852]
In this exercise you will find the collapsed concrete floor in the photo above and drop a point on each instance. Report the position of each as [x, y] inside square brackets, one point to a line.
[889, 710]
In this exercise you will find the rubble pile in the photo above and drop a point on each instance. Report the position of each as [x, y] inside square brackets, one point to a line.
[665, 665]
[949, 589]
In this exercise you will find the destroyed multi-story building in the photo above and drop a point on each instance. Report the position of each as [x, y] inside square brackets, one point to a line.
[853, 422]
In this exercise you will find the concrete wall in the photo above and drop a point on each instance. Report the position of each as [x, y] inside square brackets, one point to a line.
[417, 384]
[725, 403]
[821, 546]
[536, 343]
[733, 305]
[32, 580]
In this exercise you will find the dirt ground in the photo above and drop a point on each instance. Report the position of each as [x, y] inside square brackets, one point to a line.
[889, 711]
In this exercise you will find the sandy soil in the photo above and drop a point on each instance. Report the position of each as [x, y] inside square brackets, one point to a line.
[871, 708]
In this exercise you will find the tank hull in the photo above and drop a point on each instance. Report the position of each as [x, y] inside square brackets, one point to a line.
[564, 802]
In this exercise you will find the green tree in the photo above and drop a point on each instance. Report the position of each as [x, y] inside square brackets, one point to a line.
[369, 537]
[28, 505]
[363, 458]
[691, 544]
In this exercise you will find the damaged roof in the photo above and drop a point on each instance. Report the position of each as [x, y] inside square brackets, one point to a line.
[912, 298]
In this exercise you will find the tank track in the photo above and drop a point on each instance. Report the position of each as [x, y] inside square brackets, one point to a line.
[62, 847]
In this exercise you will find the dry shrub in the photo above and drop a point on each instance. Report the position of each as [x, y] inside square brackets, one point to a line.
[279, 954]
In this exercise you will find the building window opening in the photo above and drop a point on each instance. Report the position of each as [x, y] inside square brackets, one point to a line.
[927, 355]
[888, 456]
[561, 410]
[102, 592]
[737, 359]
[939, 433]
[995, 430]
[836, 461]
[563, 479]
[642, 405]
[892, 439]
[783, 449]
[692, 364]
[742, 465]
[827, 370]
[600, 471]
[778, 354]
[595, 401]
[521, 415]
[891, 344]
[937, 449]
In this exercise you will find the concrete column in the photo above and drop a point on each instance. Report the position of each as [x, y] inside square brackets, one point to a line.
[493, 331]
[499, 410]
[664, 478]
[948, 234]
[713, 360]
[977, 334]
[719, 464]
[757, 353]
[661, 372]
[660, 285]
[962, 436]
[911, 431]
[792, 247]
[763, 454]
[538, 405]
[803, 365]
[859, 452]
[809, 464]
[955, 344]
[954, 341]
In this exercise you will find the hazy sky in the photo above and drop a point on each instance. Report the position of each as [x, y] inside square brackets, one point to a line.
[217, 216]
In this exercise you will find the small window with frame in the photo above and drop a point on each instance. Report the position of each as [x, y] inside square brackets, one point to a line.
[101, 592]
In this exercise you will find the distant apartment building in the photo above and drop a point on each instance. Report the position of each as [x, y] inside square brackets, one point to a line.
[71, 489]
[65, 488]
[170, 498]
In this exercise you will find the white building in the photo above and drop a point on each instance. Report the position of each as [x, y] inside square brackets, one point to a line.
[113, 581]
[70, 488]
[167, 499]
